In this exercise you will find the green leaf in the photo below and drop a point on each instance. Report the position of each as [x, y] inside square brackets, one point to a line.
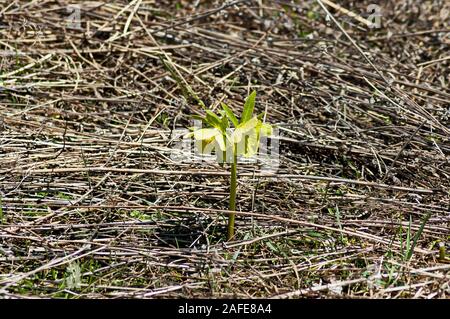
[225, 123]
[272, 246]
[248, 107]
[211, 114]
[243, 128]
[197, 117]
[251, 144]
[261, 116]
[221, 142]
[230, 114]
[213, 120]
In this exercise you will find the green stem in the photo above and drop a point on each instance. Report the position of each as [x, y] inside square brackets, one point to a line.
[233, 191]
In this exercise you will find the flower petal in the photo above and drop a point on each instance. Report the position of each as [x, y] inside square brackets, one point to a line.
[252, 144]
[244, 128]
[221, 142]
[206, 133]
[266, 129]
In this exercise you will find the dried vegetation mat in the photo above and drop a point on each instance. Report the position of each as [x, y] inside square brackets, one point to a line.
[93, 205]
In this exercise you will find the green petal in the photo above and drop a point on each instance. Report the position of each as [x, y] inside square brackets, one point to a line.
[244, 128]
[213, 120]
[230, 114]
[206, 133]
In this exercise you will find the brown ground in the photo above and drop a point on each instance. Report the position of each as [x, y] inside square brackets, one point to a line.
[93, 205]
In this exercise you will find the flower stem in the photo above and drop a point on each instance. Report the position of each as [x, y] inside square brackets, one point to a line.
[233, 191]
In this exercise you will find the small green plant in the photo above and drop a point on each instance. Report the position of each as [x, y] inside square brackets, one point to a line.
[410, 245]
[242, 139]
[1, 211]
[140, 215]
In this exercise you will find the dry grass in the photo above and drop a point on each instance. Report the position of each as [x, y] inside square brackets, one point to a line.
[93, 205]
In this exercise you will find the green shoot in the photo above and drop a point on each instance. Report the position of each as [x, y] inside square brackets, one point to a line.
[410, 247]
